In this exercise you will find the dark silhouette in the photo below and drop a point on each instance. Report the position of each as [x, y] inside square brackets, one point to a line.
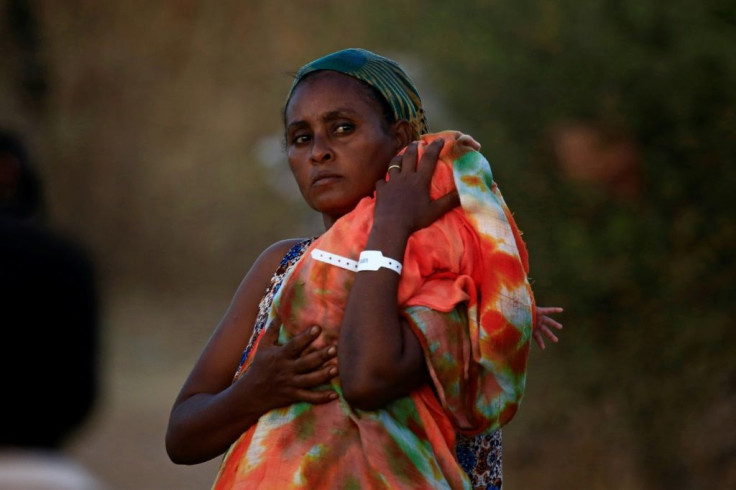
[48, 315]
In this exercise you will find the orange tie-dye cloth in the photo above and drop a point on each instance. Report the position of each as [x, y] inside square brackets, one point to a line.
[463, 290]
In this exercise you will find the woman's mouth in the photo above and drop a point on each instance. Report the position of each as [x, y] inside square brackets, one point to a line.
[325, 178]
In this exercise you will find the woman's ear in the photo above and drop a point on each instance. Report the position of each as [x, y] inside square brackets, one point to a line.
[402, 132]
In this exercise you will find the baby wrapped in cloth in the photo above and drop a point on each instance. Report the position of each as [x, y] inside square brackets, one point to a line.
[465, 294]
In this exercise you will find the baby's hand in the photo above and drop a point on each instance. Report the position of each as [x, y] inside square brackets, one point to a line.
[544, 322]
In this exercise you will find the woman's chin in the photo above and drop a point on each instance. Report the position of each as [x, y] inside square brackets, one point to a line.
[333, 206]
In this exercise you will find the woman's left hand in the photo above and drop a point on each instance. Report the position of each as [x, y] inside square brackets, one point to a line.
[545, 323]
[404, 201]
[380, 358]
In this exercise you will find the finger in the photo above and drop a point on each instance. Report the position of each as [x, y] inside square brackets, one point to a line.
[539, 340]
[409, 159]
[430, 157]
[446, 203]
[314, 360]
[315, 397]
[546, 310]
[550, 322]
[439, 207]
[296, 346]
[271, 335]
[551, 336]
[315, 378]
[395, 165]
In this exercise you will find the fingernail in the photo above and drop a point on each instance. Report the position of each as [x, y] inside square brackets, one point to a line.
[332, 371]
[314, 330]
[333, 395]
[331, 351]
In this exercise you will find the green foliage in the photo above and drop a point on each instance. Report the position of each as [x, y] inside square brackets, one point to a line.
[647, 280]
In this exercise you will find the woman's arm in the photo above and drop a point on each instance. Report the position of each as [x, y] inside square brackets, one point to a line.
[380, 359]
[211, 412]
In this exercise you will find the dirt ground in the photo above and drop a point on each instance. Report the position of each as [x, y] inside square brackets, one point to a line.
[148, 346]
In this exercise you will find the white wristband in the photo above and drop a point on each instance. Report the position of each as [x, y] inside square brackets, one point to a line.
[334, 259]
[372, 260]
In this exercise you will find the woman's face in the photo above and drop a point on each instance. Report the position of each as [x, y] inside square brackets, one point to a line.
[337, 142]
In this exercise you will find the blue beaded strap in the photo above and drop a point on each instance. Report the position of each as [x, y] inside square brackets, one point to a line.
[287, 263]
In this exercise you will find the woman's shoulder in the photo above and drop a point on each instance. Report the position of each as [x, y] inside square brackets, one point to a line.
[283, 247]
[258, 278]
[277, 252]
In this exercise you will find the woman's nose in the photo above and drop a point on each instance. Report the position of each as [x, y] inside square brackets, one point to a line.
[321, 150]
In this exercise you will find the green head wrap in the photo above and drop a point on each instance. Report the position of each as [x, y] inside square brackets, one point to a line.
[381, 73]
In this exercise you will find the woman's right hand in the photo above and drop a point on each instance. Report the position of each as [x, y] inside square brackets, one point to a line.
[278, 376]
[284, 374]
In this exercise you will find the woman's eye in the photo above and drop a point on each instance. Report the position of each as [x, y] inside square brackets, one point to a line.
[300, 139]
[343, 128]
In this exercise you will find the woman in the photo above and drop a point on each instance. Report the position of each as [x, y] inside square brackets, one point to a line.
[347, 116]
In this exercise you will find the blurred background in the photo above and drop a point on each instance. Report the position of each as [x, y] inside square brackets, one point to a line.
[611, 129]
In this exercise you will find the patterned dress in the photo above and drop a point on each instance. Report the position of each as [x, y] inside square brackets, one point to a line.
[476, 354]
[480, 456]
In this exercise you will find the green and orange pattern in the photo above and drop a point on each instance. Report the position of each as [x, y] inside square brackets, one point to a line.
[464, 292]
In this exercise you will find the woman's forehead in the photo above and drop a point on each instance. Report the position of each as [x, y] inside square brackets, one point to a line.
[327, 78]
[327, 91]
